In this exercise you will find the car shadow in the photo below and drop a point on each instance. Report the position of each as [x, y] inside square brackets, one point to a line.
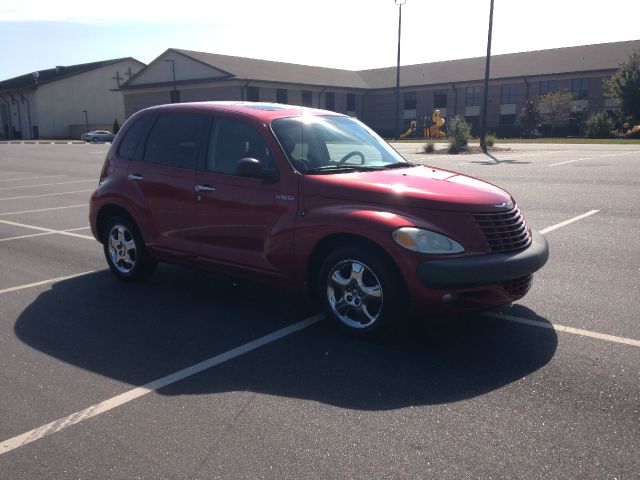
[136, 333]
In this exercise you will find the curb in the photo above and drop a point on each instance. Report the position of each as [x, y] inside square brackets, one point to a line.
[50, 142]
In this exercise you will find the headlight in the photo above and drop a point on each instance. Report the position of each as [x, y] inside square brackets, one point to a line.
[425, 241]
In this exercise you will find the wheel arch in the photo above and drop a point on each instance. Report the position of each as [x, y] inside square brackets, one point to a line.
[108, 211]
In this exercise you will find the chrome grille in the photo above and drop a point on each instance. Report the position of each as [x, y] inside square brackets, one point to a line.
[504, 231]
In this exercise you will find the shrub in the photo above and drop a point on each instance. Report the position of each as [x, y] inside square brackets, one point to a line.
[429, 147]
[459, 132]
[599, 125]
[489, 139]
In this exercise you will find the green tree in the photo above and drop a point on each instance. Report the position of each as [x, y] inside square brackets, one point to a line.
[116, 126]
[458, 131]
[529, 117]
[599, 125]
[624, 87]
[555, 108]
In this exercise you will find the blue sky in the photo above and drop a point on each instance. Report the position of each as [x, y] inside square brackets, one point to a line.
[354, 34]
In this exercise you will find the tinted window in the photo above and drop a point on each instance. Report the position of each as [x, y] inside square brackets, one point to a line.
[330, 100]
[351, 102]
[231, 141]
[174, 139]
[410, 101]
[440, 99]
[135, 137]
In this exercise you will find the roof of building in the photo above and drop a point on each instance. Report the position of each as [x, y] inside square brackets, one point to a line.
[584, 58]
[54, 74]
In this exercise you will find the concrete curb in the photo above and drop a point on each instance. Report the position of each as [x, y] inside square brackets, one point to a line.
[49, 142]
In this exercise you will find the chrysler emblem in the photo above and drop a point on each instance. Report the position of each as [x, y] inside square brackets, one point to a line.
[504, 205]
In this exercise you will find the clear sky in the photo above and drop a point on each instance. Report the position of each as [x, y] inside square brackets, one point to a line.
[350, 34]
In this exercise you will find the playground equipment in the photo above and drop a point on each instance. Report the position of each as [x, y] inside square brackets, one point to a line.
[412, 130]
[433, 131]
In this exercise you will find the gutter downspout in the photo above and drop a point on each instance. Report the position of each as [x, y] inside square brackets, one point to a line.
[13, 100]
[23, 99]
[10, 132]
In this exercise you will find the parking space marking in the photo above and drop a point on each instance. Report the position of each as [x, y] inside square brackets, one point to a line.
[30, 178]
[15, 187]
[45, 282]
[591, 158]
[154, 386]
[43, 209]
[562, 328]
[4, 174]
[49, 230]
[41, 234]
[567, 222]
[47, 195]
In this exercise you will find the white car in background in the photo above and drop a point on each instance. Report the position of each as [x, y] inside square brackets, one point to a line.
[98, 136]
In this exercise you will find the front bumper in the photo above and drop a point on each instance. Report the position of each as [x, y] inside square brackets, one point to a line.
[479, 270]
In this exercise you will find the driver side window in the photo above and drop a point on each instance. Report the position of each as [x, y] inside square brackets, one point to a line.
[231, 141]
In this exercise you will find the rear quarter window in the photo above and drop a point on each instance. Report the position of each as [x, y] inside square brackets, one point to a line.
[133, 140]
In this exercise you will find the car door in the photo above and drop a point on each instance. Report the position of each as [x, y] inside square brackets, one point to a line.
[245, 223]
[162, 178]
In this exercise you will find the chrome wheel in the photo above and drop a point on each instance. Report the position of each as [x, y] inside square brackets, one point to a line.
[354, 294]
[122, 249]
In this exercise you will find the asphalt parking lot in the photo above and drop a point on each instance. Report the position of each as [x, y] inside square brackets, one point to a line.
[101, 379]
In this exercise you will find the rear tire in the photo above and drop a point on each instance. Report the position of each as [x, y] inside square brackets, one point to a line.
[361, 291]
[125, 251]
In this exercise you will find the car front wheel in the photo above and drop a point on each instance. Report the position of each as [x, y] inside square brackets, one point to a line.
[125, 250]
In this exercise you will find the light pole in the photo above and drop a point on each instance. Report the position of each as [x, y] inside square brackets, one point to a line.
[487, 66]
[174, 96]
[86, 119]
[399, 3]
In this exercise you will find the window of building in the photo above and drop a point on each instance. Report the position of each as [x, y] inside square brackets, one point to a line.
[281, 95]
[507, 119]
[330, 101]
[174, 139]
[508, 93]
[174, 95]
[410, 100]
[548, 86]
[307, 97]
[580, 88]
[232, 141]
[473, 96]
[253, 94]
[351, 102]
[440, 99]
[132, 144]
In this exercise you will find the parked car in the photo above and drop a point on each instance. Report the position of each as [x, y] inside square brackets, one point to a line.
[97, 136]
[311, 200]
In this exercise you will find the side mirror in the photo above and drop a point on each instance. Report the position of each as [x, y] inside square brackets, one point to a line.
[252, 168]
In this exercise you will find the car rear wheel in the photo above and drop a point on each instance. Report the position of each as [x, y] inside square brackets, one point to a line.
[361, 291]
[125, 250]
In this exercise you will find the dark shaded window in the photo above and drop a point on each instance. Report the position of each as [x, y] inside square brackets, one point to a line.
[306, 98]
[473, 96]
[507, 119]
[508, 93]
[281, 95]
[473, 120]
[175, 139]
[133, 140]
[330, 101]
[351, 102]
[232, 141]
[548, 86]
[174, 95]
[410, 100]
[440, 99]
[253, 94]
[580, 88]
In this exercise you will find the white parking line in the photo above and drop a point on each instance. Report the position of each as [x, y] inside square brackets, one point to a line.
[562, 328]
[45, 282]
[30, 178]
[46, 195]
[47, 184]
[49, 230]
[4, 174]
[567, 222]
[43, 209]
[592, 158]
[41, 234]
[154, 386]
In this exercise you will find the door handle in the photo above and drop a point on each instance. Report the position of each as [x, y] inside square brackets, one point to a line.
[204, 188]
[135, 176]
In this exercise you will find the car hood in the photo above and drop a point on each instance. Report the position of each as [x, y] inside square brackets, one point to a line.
[420, 186]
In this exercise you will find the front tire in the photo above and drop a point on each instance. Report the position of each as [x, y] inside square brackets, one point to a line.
[361, 291]
[125, 251]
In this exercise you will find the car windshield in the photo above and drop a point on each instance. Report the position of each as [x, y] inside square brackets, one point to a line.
[333, 144]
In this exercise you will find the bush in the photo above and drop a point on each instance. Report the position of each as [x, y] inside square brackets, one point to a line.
[459, 132]
[489, 139]
[429, 147]
[599, 125]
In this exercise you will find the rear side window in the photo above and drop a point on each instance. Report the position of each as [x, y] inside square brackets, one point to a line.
[134, 138]
[175, 139]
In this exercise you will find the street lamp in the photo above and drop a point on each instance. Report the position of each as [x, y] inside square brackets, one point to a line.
[399, 3]
[483, 119]
[174, 96]
[86, 120]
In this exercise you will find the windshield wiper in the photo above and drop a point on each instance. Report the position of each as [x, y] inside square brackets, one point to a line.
[341, 168]
[400, 165]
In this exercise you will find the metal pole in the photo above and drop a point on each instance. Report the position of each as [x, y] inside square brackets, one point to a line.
[399, 3]
[86, 119]
[487, 66]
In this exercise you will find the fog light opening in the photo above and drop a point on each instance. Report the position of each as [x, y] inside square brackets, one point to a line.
[452, 298]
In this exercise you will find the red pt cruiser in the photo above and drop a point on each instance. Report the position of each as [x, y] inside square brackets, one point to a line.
[313, 200]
